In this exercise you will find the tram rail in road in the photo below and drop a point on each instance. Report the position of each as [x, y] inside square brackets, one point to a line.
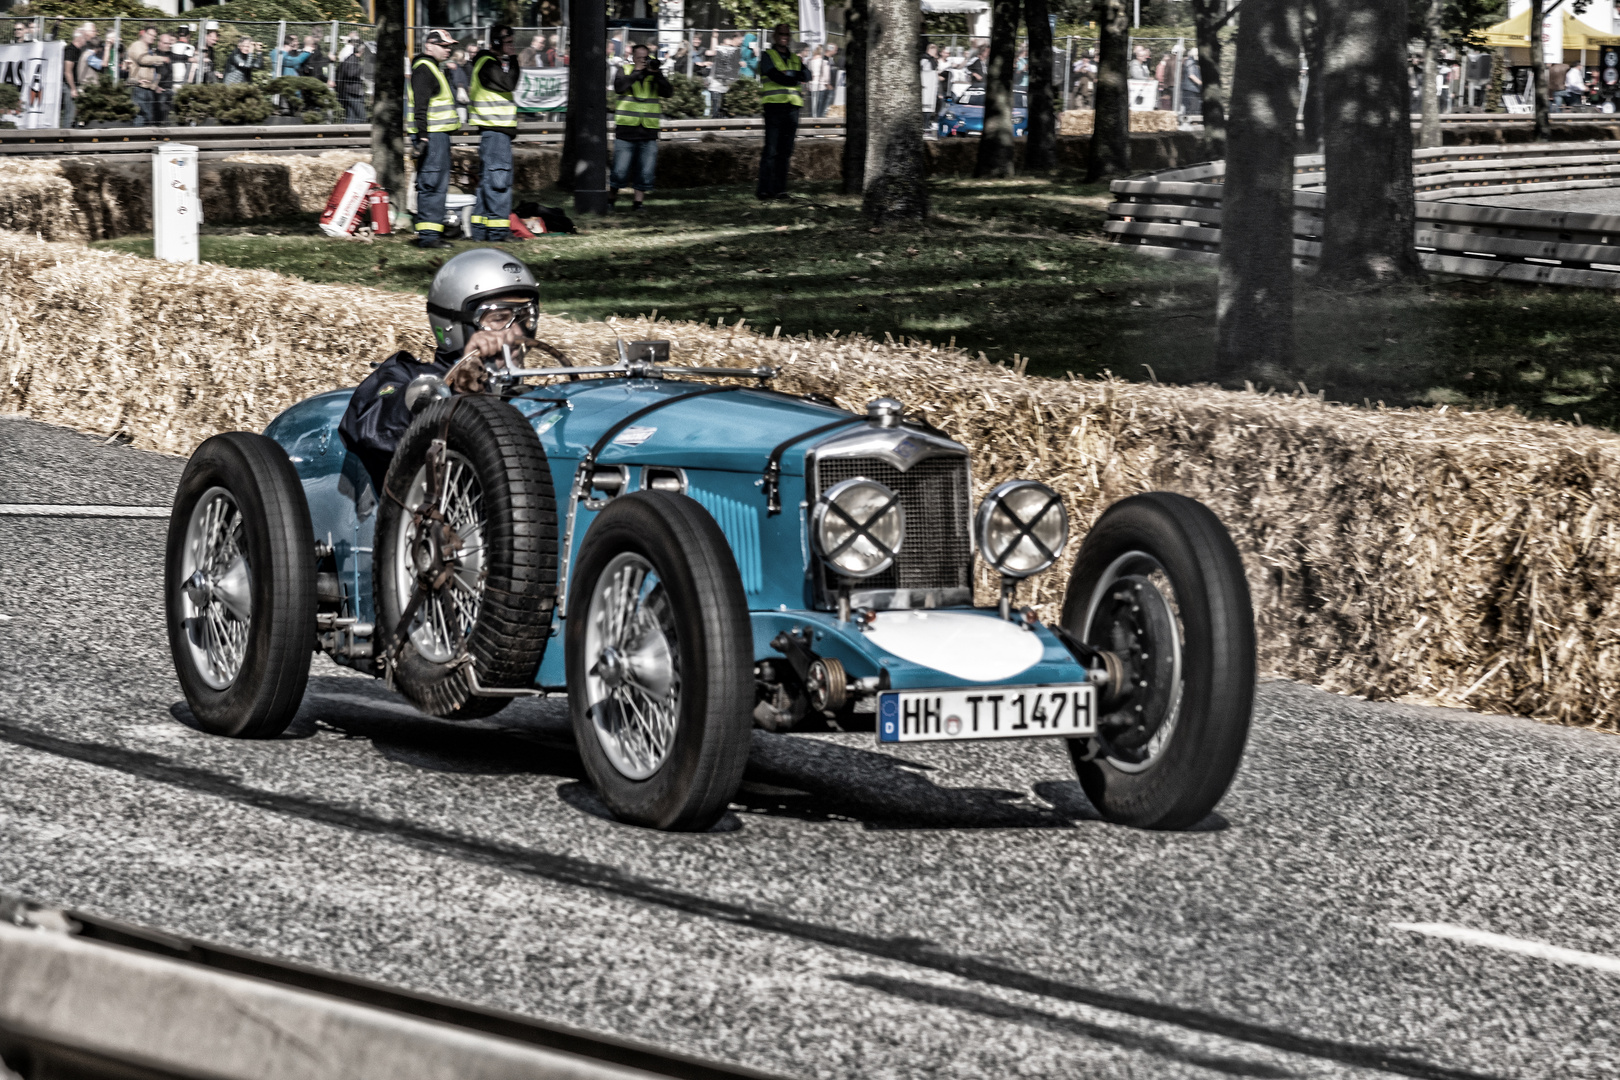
[95, 998]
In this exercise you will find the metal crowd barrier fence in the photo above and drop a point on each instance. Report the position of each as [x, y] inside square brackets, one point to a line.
[306, 138]
[1176, 214]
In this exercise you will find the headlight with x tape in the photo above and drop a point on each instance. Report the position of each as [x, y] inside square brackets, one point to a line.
[858, 526]
[1021, 528]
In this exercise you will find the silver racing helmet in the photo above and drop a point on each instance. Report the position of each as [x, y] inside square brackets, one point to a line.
[482, 289]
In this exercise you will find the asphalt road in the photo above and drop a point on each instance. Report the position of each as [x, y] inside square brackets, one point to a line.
[954, 912]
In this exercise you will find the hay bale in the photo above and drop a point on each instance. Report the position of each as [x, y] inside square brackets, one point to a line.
[36, 198]
[1433, 555]
[1081, 121]
[113, 196]
[311, 177]
[242, 191]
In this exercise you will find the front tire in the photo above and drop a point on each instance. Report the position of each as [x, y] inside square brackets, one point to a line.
[239, 586]
[1159, 584]
[660, 662]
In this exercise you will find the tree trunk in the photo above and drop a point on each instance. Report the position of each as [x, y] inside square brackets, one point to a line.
[996, 144]
[1311, 35]
[1369, 215]
[1433, 13]
[855, 98]
[1207, 22]
[896, 173]
[587, 104]
[1538, 72]
[1109, 152]
[1493, 92]
[1255, 310]
[569, 158]
[388, 104]
[1040, 141]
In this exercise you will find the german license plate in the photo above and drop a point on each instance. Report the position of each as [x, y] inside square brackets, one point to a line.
[1002, 712]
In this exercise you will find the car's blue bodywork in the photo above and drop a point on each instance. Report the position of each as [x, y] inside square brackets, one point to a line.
[966, 115]
[720, 443]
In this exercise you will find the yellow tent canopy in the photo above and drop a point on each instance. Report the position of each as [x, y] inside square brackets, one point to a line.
[1515, 34]
[1577, 35]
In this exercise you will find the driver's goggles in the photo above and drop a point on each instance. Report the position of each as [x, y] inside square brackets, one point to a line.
[502, 315]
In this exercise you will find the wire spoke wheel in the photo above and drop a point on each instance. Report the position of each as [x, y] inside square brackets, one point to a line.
[633, 666]
[465, 567]
[217, 595]
[660, 662]
[239, 586]
[442, 551]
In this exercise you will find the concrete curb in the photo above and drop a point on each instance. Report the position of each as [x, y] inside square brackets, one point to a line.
[120, 1005]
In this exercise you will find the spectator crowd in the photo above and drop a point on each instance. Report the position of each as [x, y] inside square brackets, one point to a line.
[159, 60]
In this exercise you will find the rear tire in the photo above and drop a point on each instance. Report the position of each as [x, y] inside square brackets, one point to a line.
[497, 610]
[1159, 583]
[660, 662]
[239, 586]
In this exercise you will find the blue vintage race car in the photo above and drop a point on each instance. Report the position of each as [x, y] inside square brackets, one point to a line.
[688, 554]
[964, 115]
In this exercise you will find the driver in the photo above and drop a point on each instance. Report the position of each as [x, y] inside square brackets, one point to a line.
[479, 301]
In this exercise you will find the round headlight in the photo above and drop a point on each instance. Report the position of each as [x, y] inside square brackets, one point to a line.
[857, 527]
[1021, 527]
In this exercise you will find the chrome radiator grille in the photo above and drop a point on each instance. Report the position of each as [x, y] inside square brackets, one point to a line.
[938, 550]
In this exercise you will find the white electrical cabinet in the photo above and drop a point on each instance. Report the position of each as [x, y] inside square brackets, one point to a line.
[176, 203]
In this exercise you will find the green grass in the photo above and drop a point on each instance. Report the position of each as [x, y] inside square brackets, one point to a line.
[1009, 268]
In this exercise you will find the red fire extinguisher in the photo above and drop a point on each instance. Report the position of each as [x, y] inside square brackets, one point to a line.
[377, 204]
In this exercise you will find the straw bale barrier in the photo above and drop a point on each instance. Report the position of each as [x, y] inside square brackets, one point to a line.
[311, 177]
[36, 198]
[1081, 121]
[1427, 554]
[102, 198]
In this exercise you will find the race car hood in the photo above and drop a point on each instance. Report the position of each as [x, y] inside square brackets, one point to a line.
[734, 430]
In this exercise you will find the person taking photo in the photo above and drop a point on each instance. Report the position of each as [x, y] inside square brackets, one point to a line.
[781, 73]
[640, 115]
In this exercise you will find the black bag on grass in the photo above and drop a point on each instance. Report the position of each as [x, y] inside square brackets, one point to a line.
[554, 220]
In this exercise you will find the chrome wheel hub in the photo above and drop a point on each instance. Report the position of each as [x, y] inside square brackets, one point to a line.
[441, 550]
[216, 592]
[632, 672]
[1133, 615]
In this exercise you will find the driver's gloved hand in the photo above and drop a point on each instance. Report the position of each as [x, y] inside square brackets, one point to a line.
[469, 376]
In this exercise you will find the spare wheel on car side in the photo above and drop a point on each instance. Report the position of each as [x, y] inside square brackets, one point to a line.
[465, 560]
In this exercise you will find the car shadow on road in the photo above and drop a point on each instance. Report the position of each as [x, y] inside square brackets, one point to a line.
[789, 777]
[822, 781]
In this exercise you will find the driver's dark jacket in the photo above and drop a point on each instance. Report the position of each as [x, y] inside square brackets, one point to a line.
[376, 418]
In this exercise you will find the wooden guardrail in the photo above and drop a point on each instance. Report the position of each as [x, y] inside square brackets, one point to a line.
[1176, 214]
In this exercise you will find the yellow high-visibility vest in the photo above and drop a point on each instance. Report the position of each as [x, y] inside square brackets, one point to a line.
[441, 106]
[489, 108]
[774, 93]
[641, 107]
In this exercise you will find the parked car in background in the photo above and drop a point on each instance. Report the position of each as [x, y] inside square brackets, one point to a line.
[964, 115]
